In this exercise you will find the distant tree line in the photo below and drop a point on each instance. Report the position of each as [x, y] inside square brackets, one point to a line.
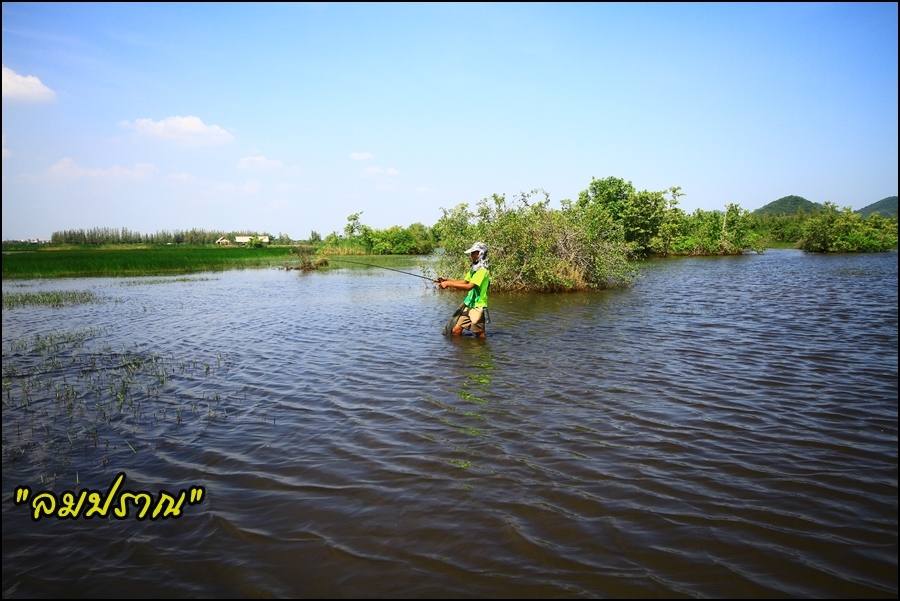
[785, 228]
[652, 224]
[845, 230]
[588, 243]
[829, 229]
[358, 238]
[584, 244]
[195, 236]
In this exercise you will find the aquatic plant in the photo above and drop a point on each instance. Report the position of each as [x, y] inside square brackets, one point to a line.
[149, 281]
[51, 298]
[67, 396]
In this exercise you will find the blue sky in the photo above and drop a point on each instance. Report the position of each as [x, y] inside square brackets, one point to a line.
[287, 118]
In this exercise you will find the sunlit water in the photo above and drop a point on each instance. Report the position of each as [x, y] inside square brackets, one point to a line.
[726, 427]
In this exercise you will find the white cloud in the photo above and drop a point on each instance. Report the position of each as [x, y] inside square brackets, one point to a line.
[186, 130]
[68, 168]
[375, 170]
[362, 156]
[259, 162]
[24, 88]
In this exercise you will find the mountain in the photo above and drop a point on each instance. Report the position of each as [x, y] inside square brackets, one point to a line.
[788, 205]
[885, 206]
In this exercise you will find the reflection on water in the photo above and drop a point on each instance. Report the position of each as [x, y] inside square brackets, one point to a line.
[727, 427]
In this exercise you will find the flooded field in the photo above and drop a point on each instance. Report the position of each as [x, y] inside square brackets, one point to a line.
[726, 427]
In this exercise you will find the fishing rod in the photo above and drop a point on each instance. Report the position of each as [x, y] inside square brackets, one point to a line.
[383, 267]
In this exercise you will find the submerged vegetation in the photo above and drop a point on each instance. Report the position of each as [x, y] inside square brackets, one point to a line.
[150, 282]
[306, 261]
[70, 401]
[52, 298]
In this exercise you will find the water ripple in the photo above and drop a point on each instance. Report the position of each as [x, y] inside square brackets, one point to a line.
[727, 427]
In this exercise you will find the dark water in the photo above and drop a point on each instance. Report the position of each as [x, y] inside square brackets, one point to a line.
[726, 427]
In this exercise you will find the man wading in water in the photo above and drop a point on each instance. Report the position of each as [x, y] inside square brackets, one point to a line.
[472, 311]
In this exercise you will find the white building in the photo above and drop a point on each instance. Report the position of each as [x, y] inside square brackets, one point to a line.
[246, 239]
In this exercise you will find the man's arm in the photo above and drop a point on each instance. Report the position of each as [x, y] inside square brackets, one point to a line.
[457, 284]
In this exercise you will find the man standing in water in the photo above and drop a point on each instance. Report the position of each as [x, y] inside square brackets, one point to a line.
[476, 282]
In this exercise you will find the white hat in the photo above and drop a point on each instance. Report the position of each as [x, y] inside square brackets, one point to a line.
[481, 247]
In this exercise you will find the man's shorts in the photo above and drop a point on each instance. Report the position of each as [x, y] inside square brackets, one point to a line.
[472, 319]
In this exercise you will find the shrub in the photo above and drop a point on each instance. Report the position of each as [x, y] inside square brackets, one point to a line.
[537, 248]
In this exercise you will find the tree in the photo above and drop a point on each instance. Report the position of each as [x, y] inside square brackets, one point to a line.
[612, 193]
[672, 224]
[534, 247]
[353, 227]
[834, 230]
[642, 216]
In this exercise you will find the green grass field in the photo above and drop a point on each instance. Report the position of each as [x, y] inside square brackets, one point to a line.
[51, 262]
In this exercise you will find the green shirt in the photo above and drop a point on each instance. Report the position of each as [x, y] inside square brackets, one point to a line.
[478, 296]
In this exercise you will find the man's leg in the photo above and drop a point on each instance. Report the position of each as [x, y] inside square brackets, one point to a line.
[462, 323]
[476, 319]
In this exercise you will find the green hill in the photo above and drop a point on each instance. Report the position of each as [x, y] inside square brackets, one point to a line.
[885, 206]
[788, 205]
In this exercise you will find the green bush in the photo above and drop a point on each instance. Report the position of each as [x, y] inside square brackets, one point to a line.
[360, 239]
[536, 248]
[716, 233]
[780, 228]
[834, 230]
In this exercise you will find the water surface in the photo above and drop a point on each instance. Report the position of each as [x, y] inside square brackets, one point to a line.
[726, 427]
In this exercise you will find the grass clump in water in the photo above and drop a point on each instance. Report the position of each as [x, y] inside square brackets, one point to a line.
[53, 298]
[151, 281]
[70, 401]
[307, 262]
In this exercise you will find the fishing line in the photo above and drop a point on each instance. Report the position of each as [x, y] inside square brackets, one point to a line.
[415, 275]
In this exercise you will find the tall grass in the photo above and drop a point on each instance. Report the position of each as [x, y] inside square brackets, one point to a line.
[48, 263]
